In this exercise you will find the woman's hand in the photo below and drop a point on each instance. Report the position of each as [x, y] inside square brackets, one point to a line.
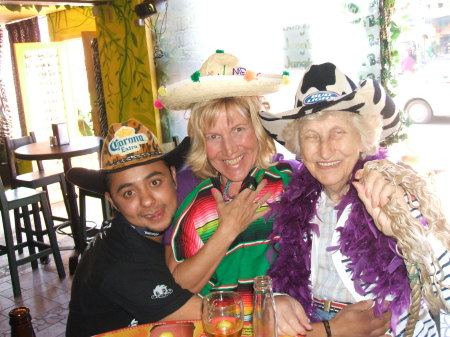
[359, 320]
[291, 318]
[236, 215]
[375, 191]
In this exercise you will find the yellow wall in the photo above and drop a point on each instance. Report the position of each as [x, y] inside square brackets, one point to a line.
[125, 66]
[123, 57]
[70, 23]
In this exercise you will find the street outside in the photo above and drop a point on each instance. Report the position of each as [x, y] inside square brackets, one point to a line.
[427, 151]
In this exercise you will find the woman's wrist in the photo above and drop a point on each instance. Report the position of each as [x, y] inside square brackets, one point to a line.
[326, 324]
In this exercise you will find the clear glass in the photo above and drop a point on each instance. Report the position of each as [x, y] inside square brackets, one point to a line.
[264, 312]
[223, 314]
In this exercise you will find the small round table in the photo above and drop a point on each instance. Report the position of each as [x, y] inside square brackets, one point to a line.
[77, 147]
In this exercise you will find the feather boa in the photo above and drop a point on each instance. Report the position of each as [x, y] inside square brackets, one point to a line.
[374, 262]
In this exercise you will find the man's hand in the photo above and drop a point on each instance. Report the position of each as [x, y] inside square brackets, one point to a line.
[291, 318]
[359, 320]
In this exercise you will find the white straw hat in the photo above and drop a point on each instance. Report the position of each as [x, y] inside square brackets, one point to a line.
[220, 76]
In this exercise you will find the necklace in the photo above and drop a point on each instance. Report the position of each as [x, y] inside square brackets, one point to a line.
[146, 232]
[226, 192]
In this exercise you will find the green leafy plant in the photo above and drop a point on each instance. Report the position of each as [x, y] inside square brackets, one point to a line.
[126, 76]
[389, 57]
[37, 8]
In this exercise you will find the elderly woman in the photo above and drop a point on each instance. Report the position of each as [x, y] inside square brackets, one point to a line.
[213, 245]
[338, 240]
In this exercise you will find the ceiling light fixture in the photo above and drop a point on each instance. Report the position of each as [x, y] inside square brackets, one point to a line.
[145, 9]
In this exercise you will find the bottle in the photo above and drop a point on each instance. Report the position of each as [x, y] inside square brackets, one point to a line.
[20, 321]
[264, 313]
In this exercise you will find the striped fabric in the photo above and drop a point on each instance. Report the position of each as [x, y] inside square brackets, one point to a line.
[197, 220]
[425, 327]
[327, 285]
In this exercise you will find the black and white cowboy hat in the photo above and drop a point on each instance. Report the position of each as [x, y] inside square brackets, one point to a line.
[325, 88]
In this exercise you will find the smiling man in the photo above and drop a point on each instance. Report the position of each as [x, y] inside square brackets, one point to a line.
[122, 278]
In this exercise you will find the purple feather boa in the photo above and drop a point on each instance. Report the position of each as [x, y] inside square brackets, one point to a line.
[373, 259]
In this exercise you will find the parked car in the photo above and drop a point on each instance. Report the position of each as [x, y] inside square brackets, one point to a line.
[425, 93]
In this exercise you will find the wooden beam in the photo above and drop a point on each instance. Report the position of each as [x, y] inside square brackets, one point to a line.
[54, 2]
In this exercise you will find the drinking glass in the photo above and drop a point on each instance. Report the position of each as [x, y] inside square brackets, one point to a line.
[222, 314]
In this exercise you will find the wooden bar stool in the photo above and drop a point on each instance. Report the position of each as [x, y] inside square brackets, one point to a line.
[22, 197]
[106, 210]
[36, 179]
[83, 194]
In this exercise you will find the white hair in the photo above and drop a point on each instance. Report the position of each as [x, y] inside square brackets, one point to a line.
[368, 126]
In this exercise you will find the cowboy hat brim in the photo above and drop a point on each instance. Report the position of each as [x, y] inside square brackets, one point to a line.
[181, 95]
[369, 98]
[94, 180]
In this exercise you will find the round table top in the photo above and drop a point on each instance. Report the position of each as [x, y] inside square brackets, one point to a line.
[42, 150]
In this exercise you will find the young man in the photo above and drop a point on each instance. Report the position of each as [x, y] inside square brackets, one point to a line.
[122, 278]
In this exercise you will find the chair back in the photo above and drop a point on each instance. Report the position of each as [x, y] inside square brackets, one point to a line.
[167, 147]
[11, 144]
[3, 200]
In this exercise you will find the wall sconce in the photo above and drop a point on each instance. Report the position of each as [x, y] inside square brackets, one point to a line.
[145, 9]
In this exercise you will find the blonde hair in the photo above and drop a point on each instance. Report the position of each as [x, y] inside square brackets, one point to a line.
[368, 126]
[205, 114]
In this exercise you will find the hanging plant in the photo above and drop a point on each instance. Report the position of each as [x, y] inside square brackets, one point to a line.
[389, 57]
[37, 8]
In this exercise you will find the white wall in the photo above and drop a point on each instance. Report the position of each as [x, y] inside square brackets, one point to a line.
[262, 34]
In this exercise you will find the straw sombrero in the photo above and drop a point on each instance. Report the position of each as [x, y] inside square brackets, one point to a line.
[220, 76]
[325, 88]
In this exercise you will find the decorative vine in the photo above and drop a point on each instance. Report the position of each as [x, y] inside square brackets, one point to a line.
[389, 57]
[389, 32]
[37, 8]
[131, 79]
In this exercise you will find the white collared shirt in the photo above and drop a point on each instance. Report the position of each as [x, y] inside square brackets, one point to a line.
[327, 284]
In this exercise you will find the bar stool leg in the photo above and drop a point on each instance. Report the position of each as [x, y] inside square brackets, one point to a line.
[9, 245]
[82, 197]
[63, 185]
[29, 235]
[37, 223]
[52, 236]
[17, 217]
[39, 232]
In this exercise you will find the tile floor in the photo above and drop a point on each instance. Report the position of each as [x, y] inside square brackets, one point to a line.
[48, 297]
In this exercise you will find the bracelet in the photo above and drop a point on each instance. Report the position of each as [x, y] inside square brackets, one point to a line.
[280, 294]
[326, 324]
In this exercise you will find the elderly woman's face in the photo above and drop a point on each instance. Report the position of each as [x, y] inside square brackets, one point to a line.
[231, 145]
[330, 148]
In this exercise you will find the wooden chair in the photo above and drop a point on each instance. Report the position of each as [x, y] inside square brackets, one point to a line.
[106, 210]
[21, 198]
[83, 194]
[166, 147]
[36, 179]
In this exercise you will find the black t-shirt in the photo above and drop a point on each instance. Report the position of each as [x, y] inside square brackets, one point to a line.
[121, 280]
